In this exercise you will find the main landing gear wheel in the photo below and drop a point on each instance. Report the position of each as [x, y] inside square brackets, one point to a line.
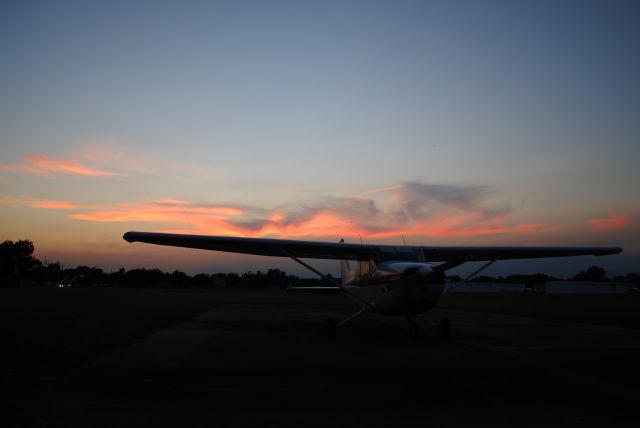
[444, 328]
[414, 333]
[330, 328]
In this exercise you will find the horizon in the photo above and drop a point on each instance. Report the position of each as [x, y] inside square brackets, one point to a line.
[438, 124]
[558, 268]
[335, 273]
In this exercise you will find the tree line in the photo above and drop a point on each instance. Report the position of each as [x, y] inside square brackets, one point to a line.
[19, 268]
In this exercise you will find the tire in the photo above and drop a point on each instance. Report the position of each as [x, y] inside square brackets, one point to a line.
[444, 328]
[414, 333]
[330, 328]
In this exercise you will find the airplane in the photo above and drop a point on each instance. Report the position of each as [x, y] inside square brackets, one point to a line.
[391, 280]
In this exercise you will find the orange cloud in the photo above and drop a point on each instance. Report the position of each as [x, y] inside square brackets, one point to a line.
[41, 164]
[167, 211]
[612, 223]
[52, 204]
[38, 203]
[331, 221]
[409, 208]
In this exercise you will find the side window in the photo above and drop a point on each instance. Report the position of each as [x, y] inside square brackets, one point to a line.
[365, 267]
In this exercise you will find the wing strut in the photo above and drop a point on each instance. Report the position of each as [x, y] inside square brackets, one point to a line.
[325, 277]
[449, 265]
[476, 272]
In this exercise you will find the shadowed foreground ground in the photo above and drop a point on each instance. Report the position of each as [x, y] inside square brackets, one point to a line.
[268, 365]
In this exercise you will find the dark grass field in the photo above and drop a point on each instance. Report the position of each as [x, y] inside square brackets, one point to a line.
[45, 328]
[616, 310]
[89, 357]
[63, 328]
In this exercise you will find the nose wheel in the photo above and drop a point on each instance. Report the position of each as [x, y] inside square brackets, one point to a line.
[444, 328]
[329, 328]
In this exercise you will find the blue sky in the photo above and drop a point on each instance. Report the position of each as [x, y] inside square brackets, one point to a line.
[317, 120]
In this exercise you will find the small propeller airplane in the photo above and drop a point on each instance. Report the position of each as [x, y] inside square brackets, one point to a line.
[391, 280]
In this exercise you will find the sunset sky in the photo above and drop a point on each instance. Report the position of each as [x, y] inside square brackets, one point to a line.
[448, 123]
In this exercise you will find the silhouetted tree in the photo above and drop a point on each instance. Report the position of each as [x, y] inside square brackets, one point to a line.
[593, 273]
[116, 279]
[277, 278]
[179, 279]
[49, 274]
[144, 278]
[85, 276]
[16, 261]
[202, 280]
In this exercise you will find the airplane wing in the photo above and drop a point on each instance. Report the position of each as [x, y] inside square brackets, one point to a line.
[470, 254]
[341, 251]
[258, 246]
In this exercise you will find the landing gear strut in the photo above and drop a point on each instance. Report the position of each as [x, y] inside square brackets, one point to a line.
[414, 333]
[331, 326]
[444, 328]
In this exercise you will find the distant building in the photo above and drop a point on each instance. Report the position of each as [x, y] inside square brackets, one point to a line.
[487, 287]
[586, 287]
[551, 287]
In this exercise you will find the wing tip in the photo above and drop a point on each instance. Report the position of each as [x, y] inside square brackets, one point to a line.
[128, 237]
[607, 251]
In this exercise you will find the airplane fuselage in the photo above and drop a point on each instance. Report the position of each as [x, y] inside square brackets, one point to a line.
[397, 288]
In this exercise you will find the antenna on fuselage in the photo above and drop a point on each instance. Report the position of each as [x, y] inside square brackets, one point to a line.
[345, 269]
[405, 242]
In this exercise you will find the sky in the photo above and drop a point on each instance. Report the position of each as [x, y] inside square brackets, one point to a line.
[443, 123]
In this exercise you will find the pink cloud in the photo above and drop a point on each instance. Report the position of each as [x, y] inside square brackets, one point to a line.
[442, 211]
[41, 164]
[611, 223]
[108, 151]
[409, 208]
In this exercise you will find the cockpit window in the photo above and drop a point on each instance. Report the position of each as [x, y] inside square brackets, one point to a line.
[405, 254]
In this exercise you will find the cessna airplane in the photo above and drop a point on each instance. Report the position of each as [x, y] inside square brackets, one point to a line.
[391, 280]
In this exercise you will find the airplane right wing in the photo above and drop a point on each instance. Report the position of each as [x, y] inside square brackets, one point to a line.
[471, 254]
[453, 256]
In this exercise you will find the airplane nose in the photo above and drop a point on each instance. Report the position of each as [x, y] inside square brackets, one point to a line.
[422, 272]
[425, 272]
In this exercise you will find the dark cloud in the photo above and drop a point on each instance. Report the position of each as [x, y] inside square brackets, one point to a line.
[353, 209]
[253, 225]
[418, 200]
[395, 207]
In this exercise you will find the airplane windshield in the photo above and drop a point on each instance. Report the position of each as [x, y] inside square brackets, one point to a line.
[404, 254]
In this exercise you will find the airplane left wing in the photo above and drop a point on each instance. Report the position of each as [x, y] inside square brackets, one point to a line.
[258, 246]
